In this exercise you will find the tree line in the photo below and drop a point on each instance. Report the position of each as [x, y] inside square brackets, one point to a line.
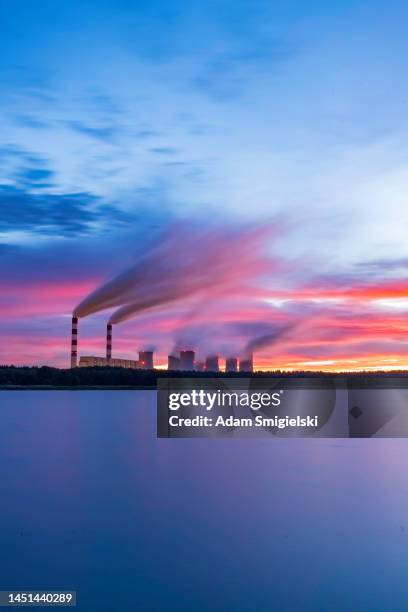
[13, 376]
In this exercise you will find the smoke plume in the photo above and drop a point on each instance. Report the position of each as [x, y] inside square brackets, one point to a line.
[187, 261]
[269, 339]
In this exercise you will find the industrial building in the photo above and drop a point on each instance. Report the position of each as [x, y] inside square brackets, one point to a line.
[173, 363]
[187, 359]
[146, 360]
[211, 364]
[89, 361]
[231, 364]
[246, 365]
[184, 362]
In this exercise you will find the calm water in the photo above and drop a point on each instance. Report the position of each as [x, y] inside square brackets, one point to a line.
[90, 500]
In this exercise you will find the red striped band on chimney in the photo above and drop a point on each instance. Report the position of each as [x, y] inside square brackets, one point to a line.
[74, 342]
[108, 342]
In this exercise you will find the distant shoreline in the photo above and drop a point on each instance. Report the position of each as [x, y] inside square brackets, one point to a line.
[75, 388]
[105, 378]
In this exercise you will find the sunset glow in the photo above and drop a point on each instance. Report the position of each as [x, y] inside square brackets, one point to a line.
[235, 182]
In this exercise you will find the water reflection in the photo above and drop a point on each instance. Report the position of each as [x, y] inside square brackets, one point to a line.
[92, 501]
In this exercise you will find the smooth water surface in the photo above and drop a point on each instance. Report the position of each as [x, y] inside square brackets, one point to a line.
[91, 501]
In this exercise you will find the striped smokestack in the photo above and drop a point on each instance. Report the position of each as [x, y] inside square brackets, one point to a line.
[74, 342]
[108, 343]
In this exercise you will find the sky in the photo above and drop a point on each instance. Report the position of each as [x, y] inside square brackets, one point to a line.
[241, 166]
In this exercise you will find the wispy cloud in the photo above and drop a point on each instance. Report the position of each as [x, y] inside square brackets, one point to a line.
[104, 133]
[118, 119]
[56, 214]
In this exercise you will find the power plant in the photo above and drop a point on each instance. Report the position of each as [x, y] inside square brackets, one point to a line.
[173, 363]
[108, 343]
[146, 360]
[231, 364]
[74, 342]
[89, 361]
[247, 364]
[185, 361]
[211, 364]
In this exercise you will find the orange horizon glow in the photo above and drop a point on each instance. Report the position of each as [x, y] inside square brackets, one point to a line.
[335, 329]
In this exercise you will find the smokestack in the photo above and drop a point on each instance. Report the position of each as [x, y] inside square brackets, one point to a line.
[211, 364]
[173, 363]
[187, 360]
[146, 360]
[108, 343]
[246, 365]
[231, 364]
[74, 342]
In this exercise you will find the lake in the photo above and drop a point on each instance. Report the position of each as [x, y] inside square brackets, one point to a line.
[91, 500]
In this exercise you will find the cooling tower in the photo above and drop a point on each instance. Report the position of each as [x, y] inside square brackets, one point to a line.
[187, 360]
[146, 360]
[246, 365]
[173, 363]
[211, 364]
[108, 343]
[231, 364]
[74, 342]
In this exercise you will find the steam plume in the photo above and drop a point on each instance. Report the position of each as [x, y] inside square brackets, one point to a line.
[185, 262]
[269, 339]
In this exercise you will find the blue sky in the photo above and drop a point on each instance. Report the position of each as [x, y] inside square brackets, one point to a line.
[118, 117]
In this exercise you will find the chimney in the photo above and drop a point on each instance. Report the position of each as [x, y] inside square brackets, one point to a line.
[108, 343]
[211, 364]
[173, 363]
[246, 365]
[74, 342]
[187, 361]
[231, 364]
[146, 360]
